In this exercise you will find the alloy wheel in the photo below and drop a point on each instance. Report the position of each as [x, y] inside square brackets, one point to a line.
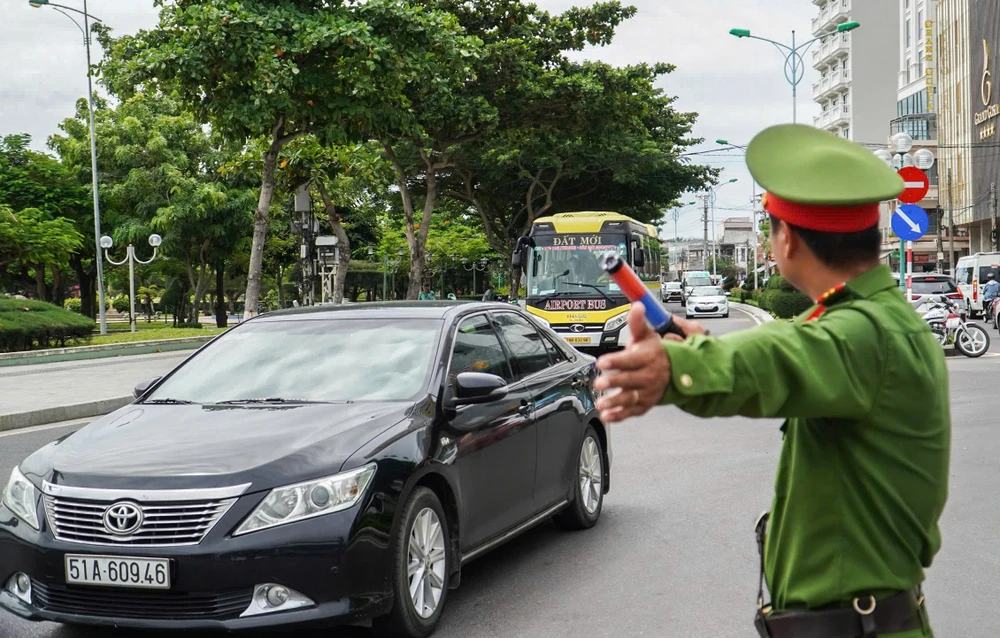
[426, 562]
[974, 341]
[591, 475]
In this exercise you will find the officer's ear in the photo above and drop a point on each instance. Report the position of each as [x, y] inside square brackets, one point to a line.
[784, 241]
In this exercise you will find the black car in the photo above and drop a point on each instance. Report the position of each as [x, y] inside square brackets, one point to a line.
[311, 467]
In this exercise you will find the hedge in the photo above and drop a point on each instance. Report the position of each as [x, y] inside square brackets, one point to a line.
[26, 325]
[782, 299]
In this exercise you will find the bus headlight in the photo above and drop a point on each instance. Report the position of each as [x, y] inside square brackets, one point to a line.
[616, 322]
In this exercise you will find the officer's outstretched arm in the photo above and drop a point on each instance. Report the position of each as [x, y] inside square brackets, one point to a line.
[826, 368]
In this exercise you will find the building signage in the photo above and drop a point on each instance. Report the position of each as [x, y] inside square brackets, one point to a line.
[984, 102]
[986, 119]
[929, 67]
[576, 304]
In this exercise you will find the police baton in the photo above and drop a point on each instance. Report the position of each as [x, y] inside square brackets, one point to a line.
[658, 317]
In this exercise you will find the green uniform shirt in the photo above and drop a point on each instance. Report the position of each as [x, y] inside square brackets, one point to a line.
[863, 474]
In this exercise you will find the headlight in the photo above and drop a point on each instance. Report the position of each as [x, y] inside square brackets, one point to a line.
[307, 500]
[616, 322]
[20, 497]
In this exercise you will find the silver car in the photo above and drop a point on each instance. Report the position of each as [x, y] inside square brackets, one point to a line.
[928, 287]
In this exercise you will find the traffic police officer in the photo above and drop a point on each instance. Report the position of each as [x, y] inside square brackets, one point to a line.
[860, 380]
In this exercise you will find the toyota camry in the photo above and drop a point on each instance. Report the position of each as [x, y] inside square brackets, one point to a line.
[310, 467]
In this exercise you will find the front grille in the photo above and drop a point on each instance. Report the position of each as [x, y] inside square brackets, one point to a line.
[116, 603]
[164, 523]
[706, 308]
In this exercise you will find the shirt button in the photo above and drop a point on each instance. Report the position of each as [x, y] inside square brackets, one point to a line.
[686, 380]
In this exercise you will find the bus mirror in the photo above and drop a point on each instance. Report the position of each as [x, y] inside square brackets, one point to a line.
[640, 258]
[517, 259]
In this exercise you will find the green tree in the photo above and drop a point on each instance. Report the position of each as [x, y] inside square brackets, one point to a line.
[280, 69]
[45, 210]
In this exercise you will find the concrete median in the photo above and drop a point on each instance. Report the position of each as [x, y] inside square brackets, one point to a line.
[62, 413]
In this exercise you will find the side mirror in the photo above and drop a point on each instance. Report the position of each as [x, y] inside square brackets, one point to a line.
[640, 258]
[478, 387]
[517, 259]
[141, 387]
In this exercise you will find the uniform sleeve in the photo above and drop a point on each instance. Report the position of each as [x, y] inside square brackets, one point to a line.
[831, 367]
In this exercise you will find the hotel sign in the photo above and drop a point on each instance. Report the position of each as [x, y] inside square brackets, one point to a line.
[986, 119]
[929, 59]
[984, 102]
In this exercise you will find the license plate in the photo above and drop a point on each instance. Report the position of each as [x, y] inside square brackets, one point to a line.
[577, 339]
[118, 571]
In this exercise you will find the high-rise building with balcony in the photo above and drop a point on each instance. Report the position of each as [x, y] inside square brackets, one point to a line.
[855, 90]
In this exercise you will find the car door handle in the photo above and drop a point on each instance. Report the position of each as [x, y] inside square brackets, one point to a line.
[578, 381]
[525, 408]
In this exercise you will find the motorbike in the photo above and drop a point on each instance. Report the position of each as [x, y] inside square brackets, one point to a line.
[951, 327]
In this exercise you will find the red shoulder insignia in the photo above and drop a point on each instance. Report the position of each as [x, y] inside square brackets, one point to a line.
[815, 314]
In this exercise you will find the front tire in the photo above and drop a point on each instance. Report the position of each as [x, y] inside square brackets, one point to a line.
[588, 490]
[420, 569]
[973, 342]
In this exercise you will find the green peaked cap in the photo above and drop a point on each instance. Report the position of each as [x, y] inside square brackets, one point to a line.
[807, 165]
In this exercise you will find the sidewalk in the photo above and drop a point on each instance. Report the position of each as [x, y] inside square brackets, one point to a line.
[50, 392]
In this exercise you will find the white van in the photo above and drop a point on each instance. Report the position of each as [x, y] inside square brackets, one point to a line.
[970, 276]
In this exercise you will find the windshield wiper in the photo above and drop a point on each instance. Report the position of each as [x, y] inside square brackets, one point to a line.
[168, 401]
[599, 291]
[272, 400]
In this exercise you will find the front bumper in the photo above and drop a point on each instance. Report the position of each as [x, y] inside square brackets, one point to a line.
[708, 310]
[212, 584]
[595, 339]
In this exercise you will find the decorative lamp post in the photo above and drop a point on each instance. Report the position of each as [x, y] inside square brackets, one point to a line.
[130, 257]
[474, 267]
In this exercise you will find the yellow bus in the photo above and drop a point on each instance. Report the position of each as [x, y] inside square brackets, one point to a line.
[566, 286]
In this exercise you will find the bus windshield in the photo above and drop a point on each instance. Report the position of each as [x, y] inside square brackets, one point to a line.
[570, 264]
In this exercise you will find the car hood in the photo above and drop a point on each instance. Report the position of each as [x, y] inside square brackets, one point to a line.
[197, 446]
[708, 299]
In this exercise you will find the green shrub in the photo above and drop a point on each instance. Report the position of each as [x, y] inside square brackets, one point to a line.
[73, 304]
[786, 304]
[26, 324]
[189, 324]
[120, 304]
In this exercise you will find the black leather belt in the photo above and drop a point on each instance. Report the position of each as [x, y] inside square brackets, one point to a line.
[865, 618]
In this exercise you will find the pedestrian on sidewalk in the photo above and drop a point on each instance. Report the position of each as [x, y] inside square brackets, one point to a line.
[862, 385]
[426, 294]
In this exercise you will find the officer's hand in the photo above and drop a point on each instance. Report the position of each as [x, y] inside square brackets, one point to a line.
[640, 373]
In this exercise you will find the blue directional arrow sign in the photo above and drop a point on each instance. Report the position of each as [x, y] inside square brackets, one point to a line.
[909, 222]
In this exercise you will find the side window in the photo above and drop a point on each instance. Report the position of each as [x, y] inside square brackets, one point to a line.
[555, 354]
[527, 348]
[477, 349]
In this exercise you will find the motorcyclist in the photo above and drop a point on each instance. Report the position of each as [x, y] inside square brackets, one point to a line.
[990, 292]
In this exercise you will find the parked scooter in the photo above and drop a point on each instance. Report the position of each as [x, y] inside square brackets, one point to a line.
[950, 326]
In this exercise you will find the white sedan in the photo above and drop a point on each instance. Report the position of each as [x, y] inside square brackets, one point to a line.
[707, 301]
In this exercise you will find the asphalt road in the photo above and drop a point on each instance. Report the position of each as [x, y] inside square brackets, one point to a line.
[673, 554]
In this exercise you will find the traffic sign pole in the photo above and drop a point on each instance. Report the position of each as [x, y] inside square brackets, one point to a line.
[909, 271]
[902, 266]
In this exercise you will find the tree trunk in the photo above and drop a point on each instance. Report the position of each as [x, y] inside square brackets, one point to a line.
[87, 293]
[343, 244]
[58, 294]
[221, 316]
[260, 217]
[40, 291]
[281, 286]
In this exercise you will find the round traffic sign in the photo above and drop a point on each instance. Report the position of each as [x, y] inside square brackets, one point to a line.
[917, 185]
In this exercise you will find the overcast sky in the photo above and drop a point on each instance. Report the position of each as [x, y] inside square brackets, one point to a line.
[736, 86]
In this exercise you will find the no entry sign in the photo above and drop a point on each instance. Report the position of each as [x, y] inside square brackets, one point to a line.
[917, 185]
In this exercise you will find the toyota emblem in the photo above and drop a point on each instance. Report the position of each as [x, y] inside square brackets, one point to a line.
[577, 327]
[123, 519]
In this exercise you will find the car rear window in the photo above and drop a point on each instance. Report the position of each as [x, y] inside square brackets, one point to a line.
[933, 286]
[986, 270]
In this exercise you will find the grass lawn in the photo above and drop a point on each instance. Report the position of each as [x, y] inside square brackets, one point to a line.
[150, 334]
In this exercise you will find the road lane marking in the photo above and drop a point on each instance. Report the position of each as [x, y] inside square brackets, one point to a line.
[749, 314]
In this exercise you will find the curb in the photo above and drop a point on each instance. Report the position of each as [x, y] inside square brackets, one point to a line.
[106, 350]
[762, 316]
[62, 413]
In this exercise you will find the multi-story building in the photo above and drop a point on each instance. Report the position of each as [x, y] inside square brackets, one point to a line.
[969, 56]
[855, 90]
[736, 241]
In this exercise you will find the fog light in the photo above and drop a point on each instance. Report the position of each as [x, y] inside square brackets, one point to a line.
[271, 598]
[20, 585]
[276, 596]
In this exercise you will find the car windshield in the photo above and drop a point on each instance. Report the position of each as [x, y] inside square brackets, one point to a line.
[699, 281]
[674, 285]
[707, 291]
[307, 360]
[560, 263]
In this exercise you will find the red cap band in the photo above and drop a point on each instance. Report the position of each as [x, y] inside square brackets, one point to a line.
[825, 219]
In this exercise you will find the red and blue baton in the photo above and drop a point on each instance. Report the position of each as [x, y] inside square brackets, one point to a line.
[658, 317]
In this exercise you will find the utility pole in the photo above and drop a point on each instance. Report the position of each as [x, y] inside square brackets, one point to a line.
[704, 219]
[940, 241]
[951, 229]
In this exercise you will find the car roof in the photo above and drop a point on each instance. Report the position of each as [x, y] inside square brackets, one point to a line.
[386, 310]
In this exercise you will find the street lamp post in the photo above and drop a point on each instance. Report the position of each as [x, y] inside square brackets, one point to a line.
[93, 144]
[475, 266]
[753, 204]
[130, 257]
[795, 66]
